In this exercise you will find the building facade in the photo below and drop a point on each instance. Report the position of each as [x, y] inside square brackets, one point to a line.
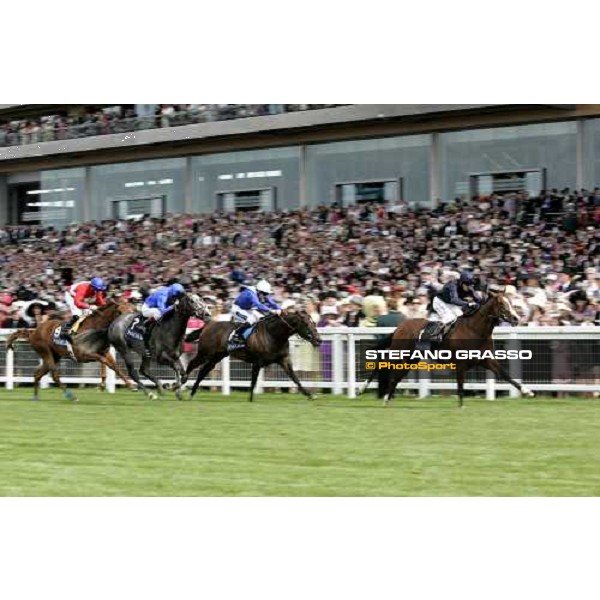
[419, 154]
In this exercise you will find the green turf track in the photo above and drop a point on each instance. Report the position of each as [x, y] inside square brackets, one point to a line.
[284, 445]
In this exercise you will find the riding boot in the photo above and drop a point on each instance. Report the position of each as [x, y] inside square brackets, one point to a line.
[437, 332]
[66, 332]
[433, 331]
[237, 339]
[148, 326]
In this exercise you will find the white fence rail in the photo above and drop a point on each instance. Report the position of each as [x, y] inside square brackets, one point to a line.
[566, 359]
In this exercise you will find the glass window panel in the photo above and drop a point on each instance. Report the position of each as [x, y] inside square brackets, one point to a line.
[548, 148]
[332, 165]
[140, 181]
[61, 197]
[213, 175]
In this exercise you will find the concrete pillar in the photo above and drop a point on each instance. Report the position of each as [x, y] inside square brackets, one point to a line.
[3, 200]
[86, 212]
[580, 176]
[435, 187]
[189, 186]
[302, 174]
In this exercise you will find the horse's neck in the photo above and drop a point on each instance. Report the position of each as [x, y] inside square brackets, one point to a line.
[480, 321]
[182, 321]
[97, 320]
[279, 328]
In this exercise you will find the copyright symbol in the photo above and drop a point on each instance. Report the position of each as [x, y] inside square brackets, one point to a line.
[370, 366]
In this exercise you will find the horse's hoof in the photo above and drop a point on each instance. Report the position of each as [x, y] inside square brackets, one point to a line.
[35, 399]
[152, 396]
[313, 397]
[527, 392]
[69, 395]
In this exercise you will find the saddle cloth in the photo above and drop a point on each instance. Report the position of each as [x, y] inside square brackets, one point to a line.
[56, 339]
[233, 344]
[135, 331]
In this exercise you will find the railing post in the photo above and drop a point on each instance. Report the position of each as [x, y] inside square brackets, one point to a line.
[424, 382]
[351, 362]
[337, 359]
[10, 370]
[490, 388]
[225, 376]
[111, 376]
[514, 367]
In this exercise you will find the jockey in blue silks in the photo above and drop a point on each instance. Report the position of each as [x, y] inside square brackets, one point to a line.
[158, 304]
[253, 303]
[450, 303]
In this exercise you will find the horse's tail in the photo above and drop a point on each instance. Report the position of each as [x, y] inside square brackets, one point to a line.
[20, 334]
[194, 336]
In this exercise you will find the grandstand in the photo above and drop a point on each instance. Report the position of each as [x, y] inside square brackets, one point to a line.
[62, 164]
[396, 197]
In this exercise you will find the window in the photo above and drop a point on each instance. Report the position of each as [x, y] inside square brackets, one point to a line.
[247, 200]
[368, 191]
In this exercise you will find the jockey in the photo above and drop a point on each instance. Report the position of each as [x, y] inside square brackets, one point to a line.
[253, 303]
[449, 304]
[76, 298]
[158, 304]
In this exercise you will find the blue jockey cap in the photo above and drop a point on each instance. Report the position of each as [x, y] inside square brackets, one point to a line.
[98, 284]
[466, 277]
[176, 289]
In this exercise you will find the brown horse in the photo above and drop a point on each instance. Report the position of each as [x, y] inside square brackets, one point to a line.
[268, 344]
[472, 332]
[90, 344]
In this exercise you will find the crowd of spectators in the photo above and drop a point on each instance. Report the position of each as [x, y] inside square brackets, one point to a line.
[119, 119]
[345, 265]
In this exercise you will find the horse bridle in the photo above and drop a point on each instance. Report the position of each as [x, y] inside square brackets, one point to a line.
[283, 319]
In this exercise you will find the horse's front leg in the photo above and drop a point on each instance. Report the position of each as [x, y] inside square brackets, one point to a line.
[286, 365]
[145, 371]
[175, 363]
[493, 365]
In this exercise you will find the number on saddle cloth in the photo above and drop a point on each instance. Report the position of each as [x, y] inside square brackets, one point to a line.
[135, 331]
[58, 333]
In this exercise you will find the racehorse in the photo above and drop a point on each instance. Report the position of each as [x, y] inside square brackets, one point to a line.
[472, 331]
[164, 342]
[90, 344]
[268, 344]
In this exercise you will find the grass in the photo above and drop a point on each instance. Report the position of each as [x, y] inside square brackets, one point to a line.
[284, 445]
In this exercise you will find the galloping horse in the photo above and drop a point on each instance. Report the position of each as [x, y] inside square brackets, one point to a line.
[164, 342]
[90, 344]
[472, 331]
[268, 344]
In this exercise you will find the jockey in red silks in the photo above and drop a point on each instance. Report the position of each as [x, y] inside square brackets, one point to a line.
[78, 298]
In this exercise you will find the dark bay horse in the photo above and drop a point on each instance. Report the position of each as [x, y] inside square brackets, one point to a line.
[472, 332]
[268, 344]
[165, 342]
[90, 344]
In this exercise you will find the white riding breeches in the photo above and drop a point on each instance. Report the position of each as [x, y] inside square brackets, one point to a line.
[150, 313]
[245, 316]
[447, 313]
[75, 311]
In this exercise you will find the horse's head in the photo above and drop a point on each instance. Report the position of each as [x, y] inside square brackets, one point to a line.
[501, 308]
[194, 306]
[303, 325]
